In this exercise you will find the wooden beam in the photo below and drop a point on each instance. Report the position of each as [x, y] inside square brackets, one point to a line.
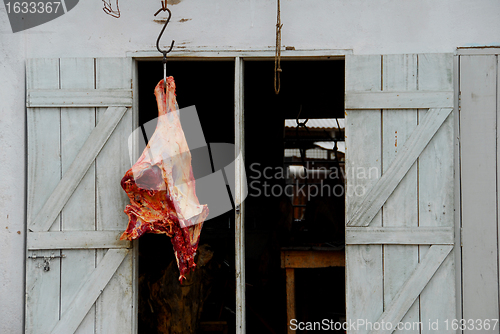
[70, 180]
[478, 50]
[312, 259]
[290, 298]
[79, 98]
[230, 54]
[240, 187]
[89, 292]
[412, 288]
[399, 236]
[409, 153]
[398, 100]
[364, 265]
[479, 182]
[76, 240]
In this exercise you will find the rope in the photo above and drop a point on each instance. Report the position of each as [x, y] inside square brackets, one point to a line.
[277, 56]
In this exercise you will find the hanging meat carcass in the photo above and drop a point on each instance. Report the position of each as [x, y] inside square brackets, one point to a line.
[161, 186]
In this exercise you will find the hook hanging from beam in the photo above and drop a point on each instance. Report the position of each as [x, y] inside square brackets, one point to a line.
[164, 52]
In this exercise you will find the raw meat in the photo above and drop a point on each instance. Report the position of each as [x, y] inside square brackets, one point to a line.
[161, 186]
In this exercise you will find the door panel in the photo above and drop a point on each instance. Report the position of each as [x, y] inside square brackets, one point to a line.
[390, 282]
[65, 179]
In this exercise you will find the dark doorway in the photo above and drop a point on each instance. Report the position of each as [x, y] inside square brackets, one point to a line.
[273, 222]
[278, 219]
[209, 86]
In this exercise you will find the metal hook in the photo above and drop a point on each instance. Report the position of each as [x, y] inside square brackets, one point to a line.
[164, 61]
[164, 8]
[301, 123]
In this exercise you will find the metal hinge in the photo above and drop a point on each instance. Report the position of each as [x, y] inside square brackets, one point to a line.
[46, 260]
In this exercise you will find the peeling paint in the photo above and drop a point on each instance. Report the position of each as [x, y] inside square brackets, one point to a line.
[163, 20]
[479, 46]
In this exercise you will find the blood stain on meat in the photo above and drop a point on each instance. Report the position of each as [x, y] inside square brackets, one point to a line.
[161, 186]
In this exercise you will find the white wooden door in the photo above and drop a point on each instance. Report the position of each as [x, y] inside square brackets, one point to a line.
[400, 197]
[480, 181]
[79, 117]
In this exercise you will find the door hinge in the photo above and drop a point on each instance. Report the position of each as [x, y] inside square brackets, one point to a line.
[46, 260]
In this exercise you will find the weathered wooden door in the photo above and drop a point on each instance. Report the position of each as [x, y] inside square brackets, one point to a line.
[79, 118]
[399, 233]
[480, 181]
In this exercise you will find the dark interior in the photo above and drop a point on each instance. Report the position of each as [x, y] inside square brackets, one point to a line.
[316, 89]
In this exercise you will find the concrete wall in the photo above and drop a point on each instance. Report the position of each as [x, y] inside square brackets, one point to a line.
[365, 26]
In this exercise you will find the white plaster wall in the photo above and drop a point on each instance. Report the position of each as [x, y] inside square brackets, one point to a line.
[365, 26]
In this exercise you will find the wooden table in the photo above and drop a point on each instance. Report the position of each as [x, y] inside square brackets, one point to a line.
[306, 257]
